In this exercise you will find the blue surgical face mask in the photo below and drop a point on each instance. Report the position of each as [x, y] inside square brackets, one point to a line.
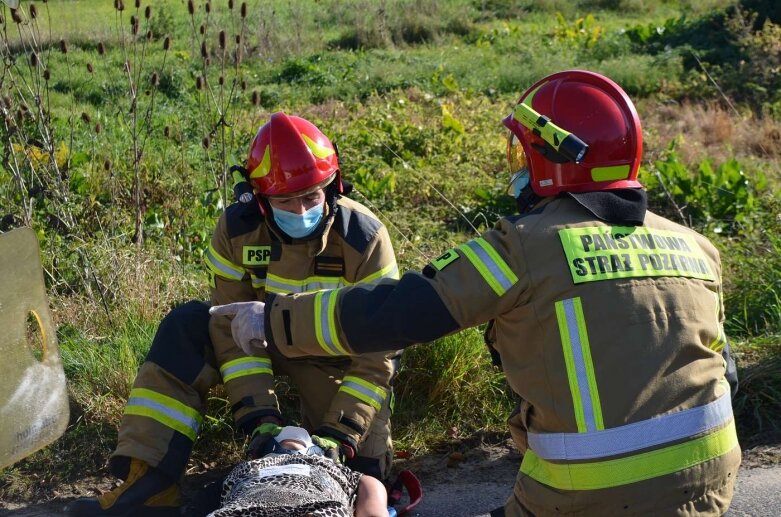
[298, 225]
[518, 182]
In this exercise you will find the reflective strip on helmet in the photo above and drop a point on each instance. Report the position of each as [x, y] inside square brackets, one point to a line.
[631, 469]
[166, 410]
[633, 437]
[489, 264]
[389, 271]
[580, 369]
[616, 172]
[264, 167]
[244, 366]
[320, 151]
[325, 323]
[363, 390]
[222, 266]
[277, 284]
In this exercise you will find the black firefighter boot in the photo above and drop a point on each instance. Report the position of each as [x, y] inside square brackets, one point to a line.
[145, 492]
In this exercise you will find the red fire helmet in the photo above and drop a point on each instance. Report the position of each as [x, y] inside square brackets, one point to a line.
[290, 156]
[579, 132]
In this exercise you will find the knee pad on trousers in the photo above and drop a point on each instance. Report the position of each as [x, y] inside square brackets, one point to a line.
[181, 342]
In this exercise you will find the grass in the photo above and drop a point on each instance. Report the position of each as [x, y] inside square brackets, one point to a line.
[449, 388]
[415, 104]
[758, 400]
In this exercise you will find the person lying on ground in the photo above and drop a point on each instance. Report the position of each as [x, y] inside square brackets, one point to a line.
[294, 478]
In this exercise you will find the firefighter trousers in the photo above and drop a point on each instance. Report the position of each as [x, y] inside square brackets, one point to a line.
[166, 405]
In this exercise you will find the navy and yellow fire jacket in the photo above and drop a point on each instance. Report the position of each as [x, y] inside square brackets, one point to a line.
[247, 261]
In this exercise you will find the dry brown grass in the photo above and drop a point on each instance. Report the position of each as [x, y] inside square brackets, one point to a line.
[134, 283]
[710, 131]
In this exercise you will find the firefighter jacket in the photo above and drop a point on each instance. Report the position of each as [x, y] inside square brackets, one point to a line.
[610, 334]
[247, 260]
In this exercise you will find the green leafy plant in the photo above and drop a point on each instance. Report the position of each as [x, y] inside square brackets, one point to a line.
[723, 199]
[582, 31]
[373, 186]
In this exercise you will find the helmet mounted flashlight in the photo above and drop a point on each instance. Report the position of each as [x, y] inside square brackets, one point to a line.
[565, 143]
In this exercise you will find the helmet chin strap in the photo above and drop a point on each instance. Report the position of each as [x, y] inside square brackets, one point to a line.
[527, 200]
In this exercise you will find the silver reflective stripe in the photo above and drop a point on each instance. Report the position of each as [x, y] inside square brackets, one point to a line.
[369, 396]
[218, 265]
[245, 366]
[167, 411]
[323, 327]
[632, 437]
[278, 285]
[389, 271]
[576, 345]
[498, 274]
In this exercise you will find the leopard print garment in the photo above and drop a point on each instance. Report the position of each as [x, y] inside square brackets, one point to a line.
[289, 485]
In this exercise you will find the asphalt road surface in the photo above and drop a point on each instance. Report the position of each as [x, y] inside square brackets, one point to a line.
[758, 494]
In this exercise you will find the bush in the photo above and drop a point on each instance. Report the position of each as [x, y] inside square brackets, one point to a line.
[721, 200]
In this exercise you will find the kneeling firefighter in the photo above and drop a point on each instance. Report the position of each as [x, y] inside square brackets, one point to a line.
[295, 233]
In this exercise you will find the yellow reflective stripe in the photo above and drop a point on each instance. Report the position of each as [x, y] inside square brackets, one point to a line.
[657, 431]
[264, 167]
[631, 469]
[580, 367]
[320, 151]
[489, 264]
[721, 339]
[325, 323]
[615, 172]
[166, 410]
[332, 322]
[389, 271]
[363, 390]
[497, 260]
[717, 345]
[320, 316]
[244, 366]
[280, 285]
[222, 266]
[257, 283]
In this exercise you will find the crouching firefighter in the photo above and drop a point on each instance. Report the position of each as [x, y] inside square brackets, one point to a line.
[608, 319]
[292, 231]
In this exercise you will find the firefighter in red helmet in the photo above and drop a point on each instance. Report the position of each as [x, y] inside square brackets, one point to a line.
[292, 231]
[607, 319]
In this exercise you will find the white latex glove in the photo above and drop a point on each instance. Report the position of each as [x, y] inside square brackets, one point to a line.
[248, 326]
